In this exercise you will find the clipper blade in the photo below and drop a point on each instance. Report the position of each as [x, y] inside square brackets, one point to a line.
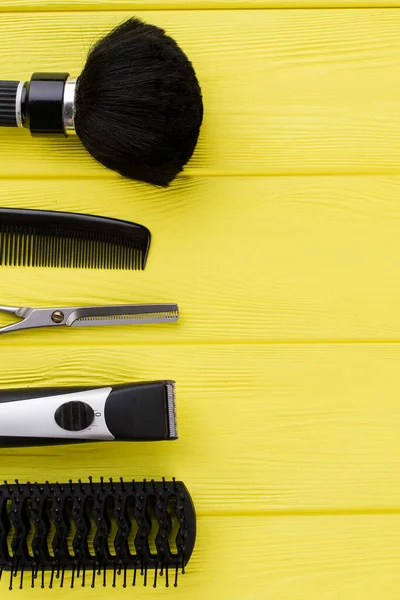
[108, 532]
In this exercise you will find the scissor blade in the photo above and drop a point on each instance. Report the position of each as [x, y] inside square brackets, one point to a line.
[130, 314]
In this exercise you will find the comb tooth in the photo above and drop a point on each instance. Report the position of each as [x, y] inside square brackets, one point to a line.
[110, 252]
[12, 244]
[114, 253]
[47, 251]
[81, 251]
[92, 252]
[4, 246]
[77, 250]
[127, 257]
[54, 252]
[120, 253]
[16, 248]
[97, 253]
[8, 247]
[166, 577]
[104, 576]
[67, 249]
[46, 248]
[99, 248]
[85, 243]
[23, 253]
[33, 248]
[60, 248]
[64, 249]
[62, 577]
[117, 256]
[114, 257]
[30, 247]
[39, 251]
[73, 255]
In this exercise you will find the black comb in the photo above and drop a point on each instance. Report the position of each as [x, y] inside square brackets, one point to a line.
[37, 238]
[121, 530]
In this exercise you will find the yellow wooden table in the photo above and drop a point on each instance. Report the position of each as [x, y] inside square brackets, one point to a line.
[281, 245]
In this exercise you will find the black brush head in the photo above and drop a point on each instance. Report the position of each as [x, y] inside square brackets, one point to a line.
[125, 527]
[139, 106]
[38, 238]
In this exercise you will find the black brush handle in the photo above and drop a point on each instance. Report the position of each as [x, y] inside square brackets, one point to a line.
[37, 104]
[8, 97]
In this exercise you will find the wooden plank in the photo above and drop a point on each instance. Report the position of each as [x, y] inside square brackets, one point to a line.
[108, 5]
[247, 259]
[294, 557]
[285, 91]
[262, 429]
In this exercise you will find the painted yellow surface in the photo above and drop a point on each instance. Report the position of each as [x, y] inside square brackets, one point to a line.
[112, 5]
[281, 245]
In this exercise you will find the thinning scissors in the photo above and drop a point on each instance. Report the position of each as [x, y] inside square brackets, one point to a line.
[86, 316]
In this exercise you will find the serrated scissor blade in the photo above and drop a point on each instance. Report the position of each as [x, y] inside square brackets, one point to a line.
[129, 314]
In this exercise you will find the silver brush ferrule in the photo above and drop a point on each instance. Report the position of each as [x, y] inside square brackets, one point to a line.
[18, 104]
[69, 106]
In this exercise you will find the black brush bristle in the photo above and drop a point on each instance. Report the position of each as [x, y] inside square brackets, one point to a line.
[35, 238]
[138, 104]
[121, 529]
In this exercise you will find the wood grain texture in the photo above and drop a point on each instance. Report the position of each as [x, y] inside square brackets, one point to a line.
[263, 259]
[112, 5]
[340, 558]
[262, 429]
[285, 91]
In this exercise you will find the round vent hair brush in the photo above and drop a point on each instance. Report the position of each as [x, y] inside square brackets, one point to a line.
[136, 106]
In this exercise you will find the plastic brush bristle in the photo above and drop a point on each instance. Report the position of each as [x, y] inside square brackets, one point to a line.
[66, 240]
[90, 534]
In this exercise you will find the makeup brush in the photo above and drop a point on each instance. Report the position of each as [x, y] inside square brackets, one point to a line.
[136, 106]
